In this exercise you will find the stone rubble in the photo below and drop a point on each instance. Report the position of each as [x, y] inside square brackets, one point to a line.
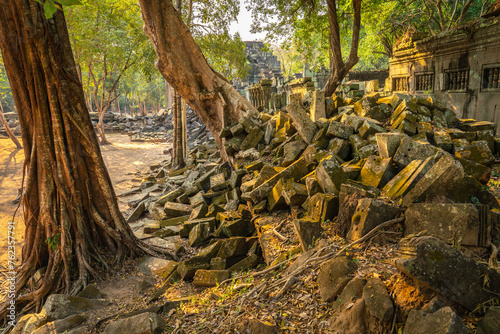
[398, 154]
[404, 155]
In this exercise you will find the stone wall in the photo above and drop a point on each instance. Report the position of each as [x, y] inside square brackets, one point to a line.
[381, 76]
[259, 94]
[461, 68]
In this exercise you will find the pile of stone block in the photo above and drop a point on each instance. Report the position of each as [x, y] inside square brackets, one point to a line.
[154, 128]
[401, 154]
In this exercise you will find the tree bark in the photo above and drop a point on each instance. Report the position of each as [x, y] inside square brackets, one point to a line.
[340, 69]
[73, 223]
[7, 128]
[182, 65]
[178, 154]
[178, 149]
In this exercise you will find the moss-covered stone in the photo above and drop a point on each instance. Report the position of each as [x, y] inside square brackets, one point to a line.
[377, 171]
[339, 130]
[235, 246]
[410, 150]
[443, 140]
[330, 175]
[478, 152]
[173, 209]
[209, 278]
[435, 263]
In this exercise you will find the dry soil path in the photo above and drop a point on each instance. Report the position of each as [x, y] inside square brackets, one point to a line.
[127, 162]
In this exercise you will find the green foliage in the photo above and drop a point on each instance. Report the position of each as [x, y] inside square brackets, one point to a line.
[50, 6]
[53, 241]
[226, 54]
[108, 39]
[109, 45]
[5, 93]
[300, 29]
[209, 22]
[301, 32]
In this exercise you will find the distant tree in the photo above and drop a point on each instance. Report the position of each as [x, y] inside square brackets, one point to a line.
[108, 42]
[280, 17]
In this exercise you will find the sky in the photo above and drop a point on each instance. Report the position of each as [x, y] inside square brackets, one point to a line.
[243, 25]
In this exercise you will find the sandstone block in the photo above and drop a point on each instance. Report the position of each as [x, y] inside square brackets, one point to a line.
[339, 130]
[369, 129]
[334, 276]
[435, 263]
[209, 278]
[330, 176]
[340, 147]
[465, 224]
[479, 152]
[369, 214]
[295, 171]
[410, 150]
[199, 234]
[377, 171]
[144, 323]
[173, 209]
[438, 181]
[406, 179]
[308, 231]
[301, 121]
[377, 300]
[323, 207]
[188, 268]
[444, 321]
[318, 105]
[235, 246]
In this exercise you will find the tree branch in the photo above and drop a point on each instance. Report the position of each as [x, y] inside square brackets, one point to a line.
[464, 11]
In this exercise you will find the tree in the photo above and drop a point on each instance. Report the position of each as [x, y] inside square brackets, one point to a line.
[73, 223]
[4, 92]
[208, 22]
[108, 41]
[339, 67]
[426, 17]
[279, 17]
[208, 93]
[180, 126]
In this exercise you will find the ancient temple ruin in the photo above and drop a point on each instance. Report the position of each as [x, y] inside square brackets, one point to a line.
[460, 67]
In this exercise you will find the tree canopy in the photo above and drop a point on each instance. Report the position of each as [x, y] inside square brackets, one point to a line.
[111, 32]
[299, 29]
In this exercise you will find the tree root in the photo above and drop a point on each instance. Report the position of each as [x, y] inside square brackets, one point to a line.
[314, 262]
[291, 281]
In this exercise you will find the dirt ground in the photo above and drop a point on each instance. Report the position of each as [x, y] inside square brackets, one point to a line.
[126, 162]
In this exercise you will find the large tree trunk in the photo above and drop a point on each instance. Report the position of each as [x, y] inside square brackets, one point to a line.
[7, 128]
[70, 209]
[183, 66]
[340, 69]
